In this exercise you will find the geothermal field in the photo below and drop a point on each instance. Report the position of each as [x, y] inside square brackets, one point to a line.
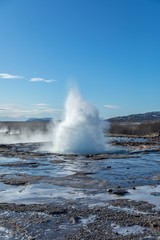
[72, 181]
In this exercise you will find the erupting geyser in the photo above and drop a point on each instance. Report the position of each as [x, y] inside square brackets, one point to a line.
[81, 131]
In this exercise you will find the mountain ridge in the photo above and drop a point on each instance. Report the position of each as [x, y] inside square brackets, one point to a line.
[137, 118]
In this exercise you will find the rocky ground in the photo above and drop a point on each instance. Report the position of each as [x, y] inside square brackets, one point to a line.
[119, 219]
[83, 197]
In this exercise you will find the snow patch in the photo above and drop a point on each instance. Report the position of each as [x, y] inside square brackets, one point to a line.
[127, 230]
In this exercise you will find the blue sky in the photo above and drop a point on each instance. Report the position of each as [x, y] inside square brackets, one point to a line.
[109, 48]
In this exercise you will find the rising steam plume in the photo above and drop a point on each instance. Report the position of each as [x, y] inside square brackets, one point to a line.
[81, 131]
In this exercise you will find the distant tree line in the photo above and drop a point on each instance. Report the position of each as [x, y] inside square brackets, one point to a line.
[139, 129]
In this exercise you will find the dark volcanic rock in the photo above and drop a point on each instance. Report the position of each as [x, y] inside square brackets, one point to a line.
[120, 192]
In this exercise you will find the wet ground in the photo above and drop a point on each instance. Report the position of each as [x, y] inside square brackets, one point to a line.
[115, 195]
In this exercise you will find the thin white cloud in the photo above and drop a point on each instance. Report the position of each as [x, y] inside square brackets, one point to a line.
[40, 105]
[9, 76]
[110, 106]
[42, 80]
[37, 110]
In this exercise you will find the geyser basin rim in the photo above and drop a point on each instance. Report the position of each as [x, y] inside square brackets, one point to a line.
[111, 151]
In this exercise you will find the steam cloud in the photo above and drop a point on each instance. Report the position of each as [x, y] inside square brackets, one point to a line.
[25, 135]
[81, 131]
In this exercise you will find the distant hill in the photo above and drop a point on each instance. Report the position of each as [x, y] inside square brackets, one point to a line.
[137, 118]
[39, 120]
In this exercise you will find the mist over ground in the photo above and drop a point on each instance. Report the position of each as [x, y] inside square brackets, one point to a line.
[24, 132]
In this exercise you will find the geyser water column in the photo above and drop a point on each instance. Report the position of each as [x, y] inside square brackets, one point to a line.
[81, 131]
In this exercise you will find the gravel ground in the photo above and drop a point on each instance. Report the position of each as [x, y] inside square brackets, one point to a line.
[77, 218]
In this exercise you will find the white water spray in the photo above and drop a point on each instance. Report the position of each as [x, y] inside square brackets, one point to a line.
[81, 131]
